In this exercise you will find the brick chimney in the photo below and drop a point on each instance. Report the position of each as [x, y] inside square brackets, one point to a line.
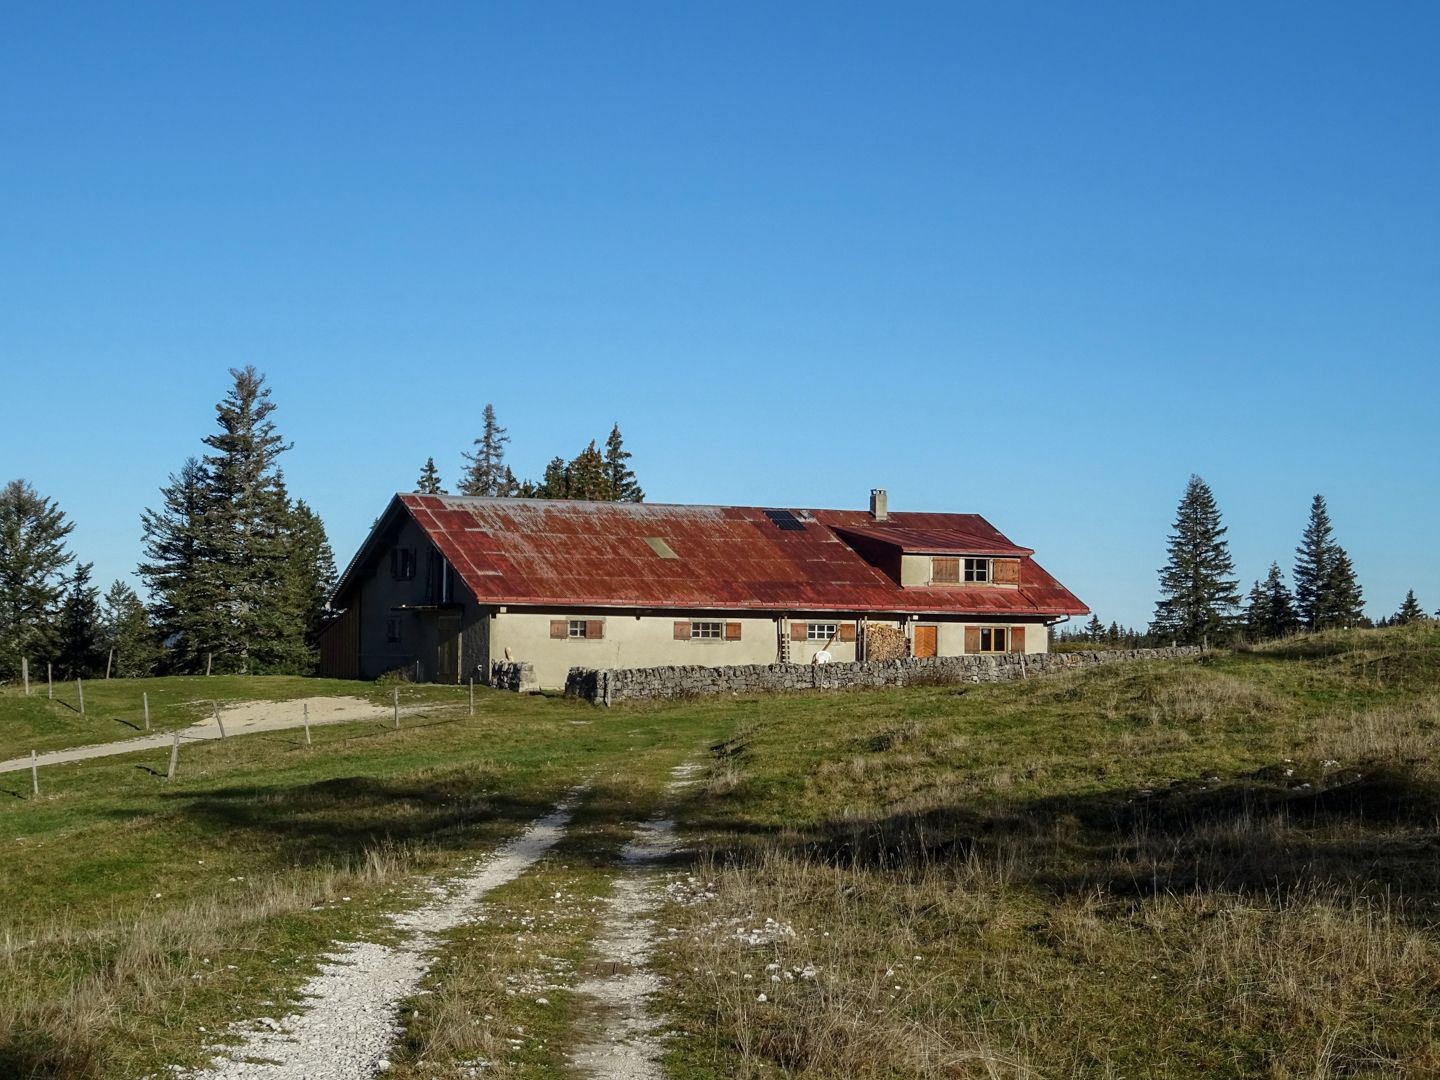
[879, 508]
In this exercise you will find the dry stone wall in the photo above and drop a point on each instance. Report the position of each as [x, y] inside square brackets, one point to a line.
[607, 686]
[517, 675]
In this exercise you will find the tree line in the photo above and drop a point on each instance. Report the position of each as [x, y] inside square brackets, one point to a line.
[1199, 593]
[591, 474]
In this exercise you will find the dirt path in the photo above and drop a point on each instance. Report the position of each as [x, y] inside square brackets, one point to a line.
[350, 1021]
[626, 1046]
[243, 719]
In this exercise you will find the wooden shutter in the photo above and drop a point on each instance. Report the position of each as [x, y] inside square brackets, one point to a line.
[595, 628]
[972, 639]
[1017, 639]
[847, 631]
[732, 631]
[559, 628]
[682, 631]
[945, 571]
[1006, 571]
[798, 631]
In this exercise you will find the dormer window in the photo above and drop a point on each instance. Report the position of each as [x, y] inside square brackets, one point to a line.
[953, 571]
[977, 569]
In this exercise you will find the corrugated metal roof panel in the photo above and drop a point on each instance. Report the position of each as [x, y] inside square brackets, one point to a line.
[596, 554]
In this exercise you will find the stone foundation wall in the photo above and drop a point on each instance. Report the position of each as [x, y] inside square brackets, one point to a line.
[516, 675]
[606, 686]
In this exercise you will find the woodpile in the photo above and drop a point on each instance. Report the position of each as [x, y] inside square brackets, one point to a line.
[885, 642]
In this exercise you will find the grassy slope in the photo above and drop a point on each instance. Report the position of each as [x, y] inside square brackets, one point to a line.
[1224, 868]
[114, 708]
[1115, 873]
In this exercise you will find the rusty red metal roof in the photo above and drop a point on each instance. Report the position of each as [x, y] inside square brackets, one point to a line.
[573, 554]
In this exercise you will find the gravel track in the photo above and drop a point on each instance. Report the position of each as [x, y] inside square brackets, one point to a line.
[627, 1047]
[350, 1019]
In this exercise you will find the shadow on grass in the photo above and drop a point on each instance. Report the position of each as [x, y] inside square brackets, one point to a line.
[1367, 831]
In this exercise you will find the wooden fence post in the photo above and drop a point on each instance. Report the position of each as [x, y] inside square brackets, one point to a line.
[109, 662]
[25, 674]
[472, 695]
[209, 659]
[49, 681]
[174, 755]
[215, 711]
[307, 723]
[145, 697]
[34, 775]
[80, 689]
[397, 707]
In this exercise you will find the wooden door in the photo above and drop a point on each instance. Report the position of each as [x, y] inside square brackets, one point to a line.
[447, 637]
[925, 641]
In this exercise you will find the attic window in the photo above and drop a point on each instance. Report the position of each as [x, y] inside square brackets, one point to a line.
[660, 547]
[785, 521]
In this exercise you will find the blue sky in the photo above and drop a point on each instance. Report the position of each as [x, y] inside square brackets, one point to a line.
[1039, 263]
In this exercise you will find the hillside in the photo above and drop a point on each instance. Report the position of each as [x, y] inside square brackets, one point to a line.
[1222, 867]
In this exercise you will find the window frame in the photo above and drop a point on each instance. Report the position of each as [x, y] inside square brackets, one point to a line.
[571, 625]
[1002, 633]
[700, 630]
[975, 570]
[402, 563]
[811, 629]
[394, 632]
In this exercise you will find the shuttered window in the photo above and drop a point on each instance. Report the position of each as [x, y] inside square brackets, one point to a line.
[709, 631]
[821, 631]
[577, 629]
[977, 570]
[993, 638]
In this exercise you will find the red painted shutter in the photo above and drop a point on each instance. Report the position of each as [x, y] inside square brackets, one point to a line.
[798, 631]
[972, 639]
[1017, 639]
[847, 631]
[559, 628]
[595, 628]
[732, 631]
[682, 631]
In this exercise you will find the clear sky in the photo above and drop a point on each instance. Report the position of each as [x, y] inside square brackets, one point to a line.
[1039, 262]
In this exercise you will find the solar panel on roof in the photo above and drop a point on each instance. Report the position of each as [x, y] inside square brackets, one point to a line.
[785, 521]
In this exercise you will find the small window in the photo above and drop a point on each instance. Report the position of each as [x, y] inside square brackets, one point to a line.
[576, 628]
[977, 569]
[944, 571]
[710, 631]
[993, 639]
[402, 564]
[821, 631]
[392, 631]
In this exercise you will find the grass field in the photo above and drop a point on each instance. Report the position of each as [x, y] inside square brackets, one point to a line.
[1224, 867]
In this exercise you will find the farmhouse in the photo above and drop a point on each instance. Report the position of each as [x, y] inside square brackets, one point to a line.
[444, 585]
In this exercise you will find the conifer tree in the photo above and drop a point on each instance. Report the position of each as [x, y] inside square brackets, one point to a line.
[485, 468]
[1270, 611]
[78, 653]
[429, 481]
[1094, 629]
[1410, 610]
[1326, 590]
[1112, 635]
[1198, 596]
[126, 628]
[585, 476]
[32, 562]
[555, 484]
[623, 486]
[178, 555]
[313, 564]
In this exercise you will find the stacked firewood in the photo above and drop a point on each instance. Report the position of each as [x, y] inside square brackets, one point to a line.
[885, 642]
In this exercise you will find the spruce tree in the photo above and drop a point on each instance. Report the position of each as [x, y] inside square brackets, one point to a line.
[623, 486]
[585, 476]
[127, 629]
[555, 484]
[179, 555]
[32, 563]
[1410, 610]
[485, 471]
[429, 481]
[1342, 602]
[1094, 629]
[1198, 596]
[1270, 611]
[78, 653]
[313, 564]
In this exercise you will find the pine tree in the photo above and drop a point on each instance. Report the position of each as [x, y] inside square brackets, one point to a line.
[313, 564]
[78, 653]
[429, 482]
[1198, 596]
[32, 561]
[623, 486]
[485, 470]
[127, 630]
[1270, 610]
[1094, 629]
[1410, 610]
[178, 556]
[1341, 603]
